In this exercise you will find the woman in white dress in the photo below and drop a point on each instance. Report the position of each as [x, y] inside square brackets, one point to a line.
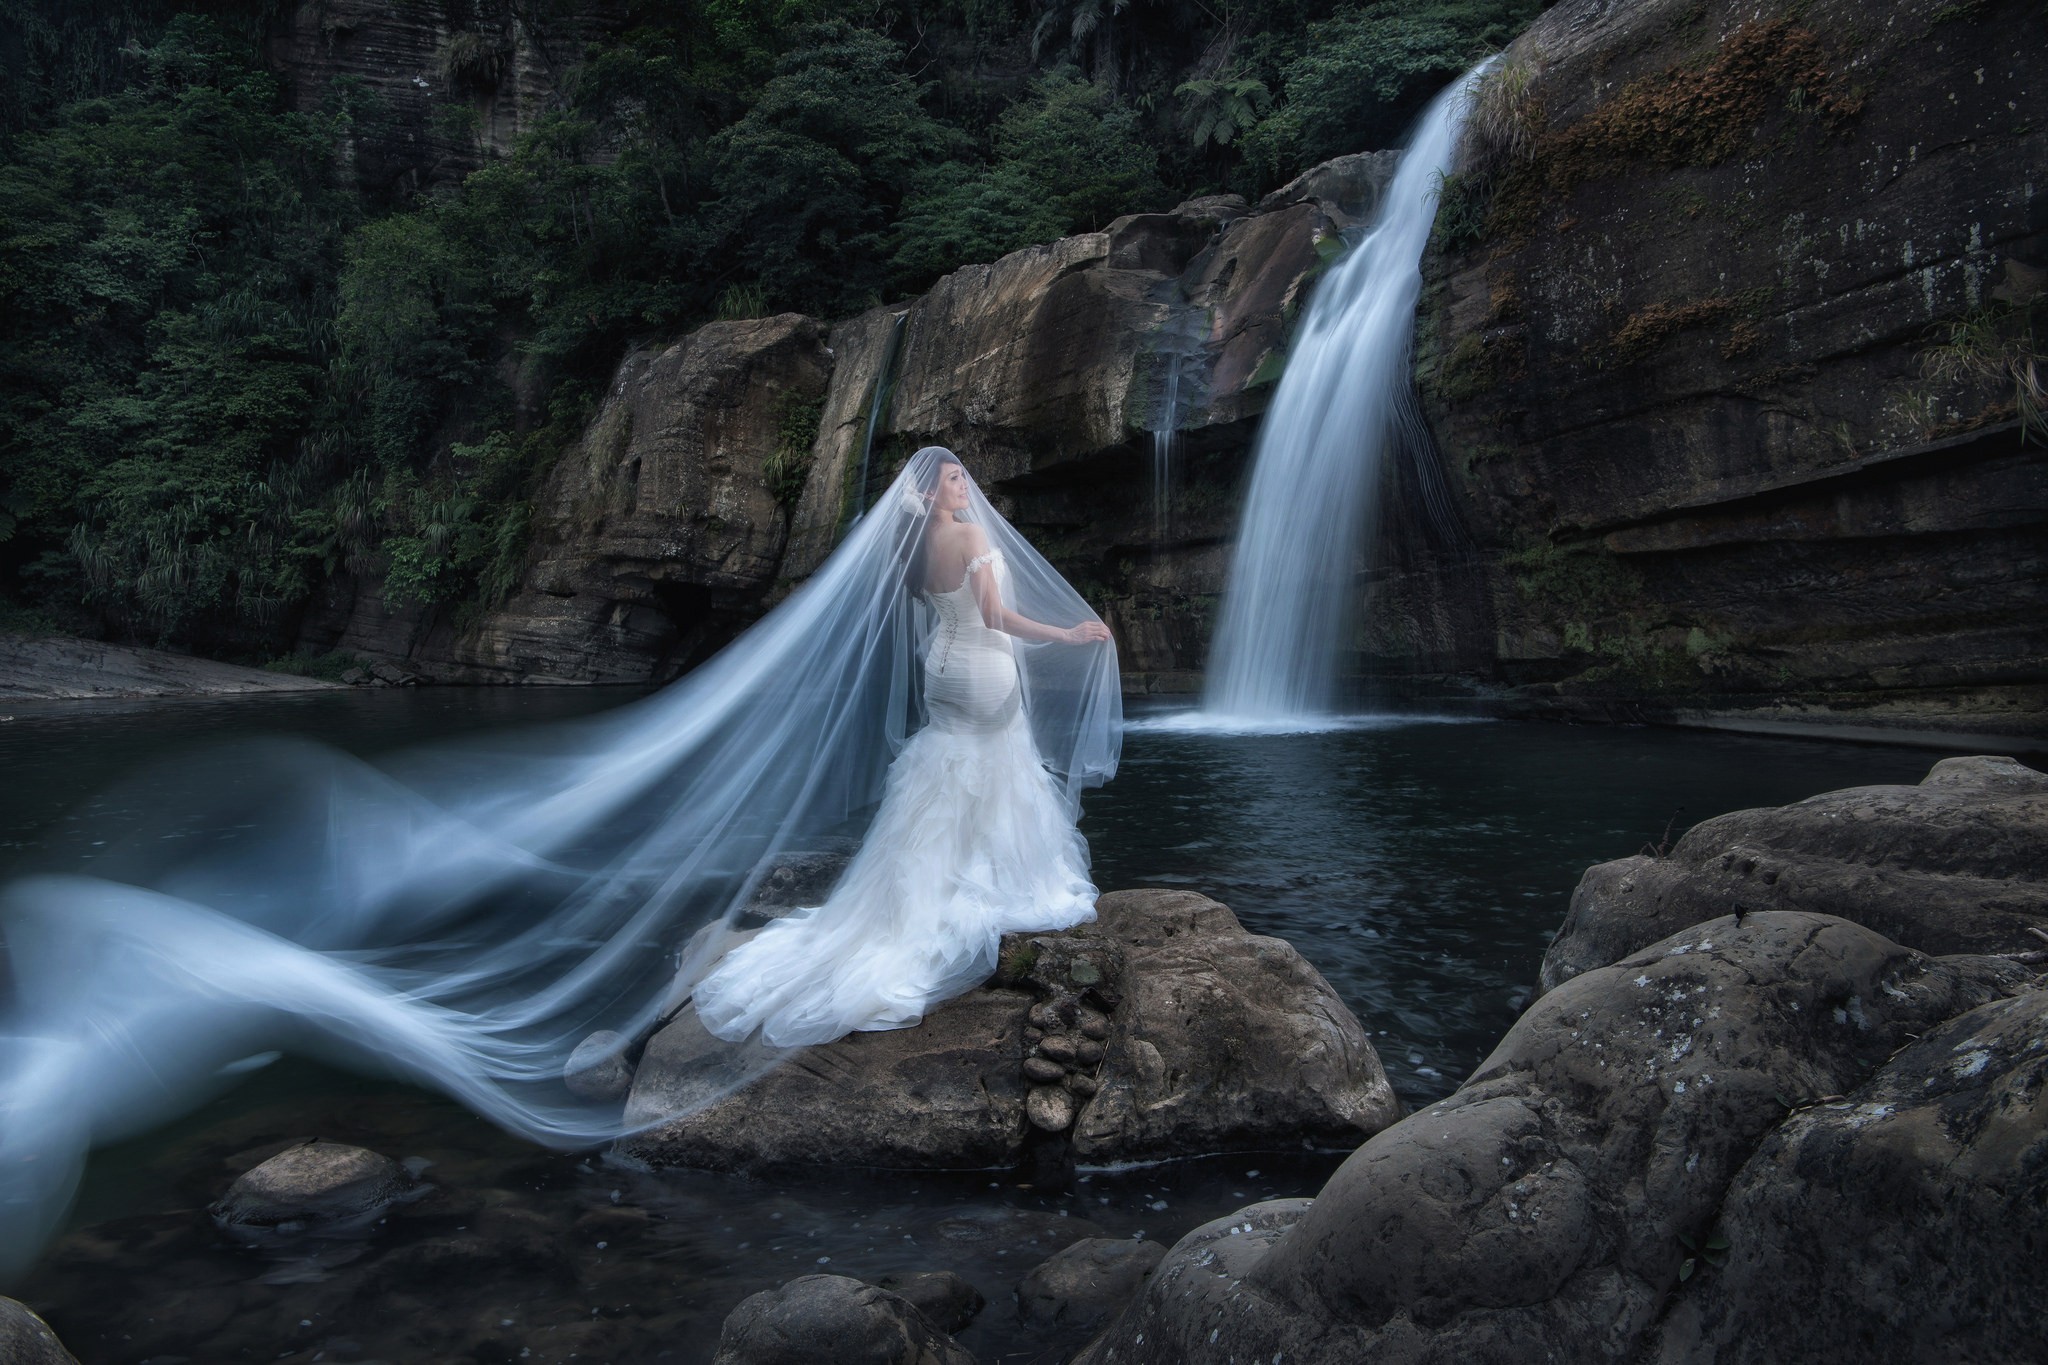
[973, 839]
[469, 915]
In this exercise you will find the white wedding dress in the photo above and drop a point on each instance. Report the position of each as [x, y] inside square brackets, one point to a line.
[972, 841]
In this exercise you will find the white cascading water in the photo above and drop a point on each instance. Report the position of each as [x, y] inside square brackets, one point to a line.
[1345, 399]
[1163, 438]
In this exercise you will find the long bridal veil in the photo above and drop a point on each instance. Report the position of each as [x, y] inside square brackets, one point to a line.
[464, 916]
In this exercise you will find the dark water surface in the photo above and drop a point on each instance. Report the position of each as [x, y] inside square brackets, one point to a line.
[1421, 866]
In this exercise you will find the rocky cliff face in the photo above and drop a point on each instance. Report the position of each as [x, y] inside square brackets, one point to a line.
[1049, 370]
[439, 83]
[656, 538]
[1729, 372]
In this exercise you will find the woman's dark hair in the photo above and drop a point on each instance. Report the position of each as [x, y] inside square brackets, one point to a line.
[928, 488]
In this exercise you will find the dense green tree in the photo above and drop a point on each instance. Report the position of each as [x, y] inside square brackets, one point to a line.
[807, 182]
[166, 261]
[1069, 157]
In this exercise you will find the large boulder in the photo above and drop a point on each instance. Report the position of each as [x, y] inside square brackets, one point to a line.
[831, 1317]
[1710, 363]
[1164, 1029]
[26, 1339]
[1547, 1210]
[1957, 864]
[1907, 1220]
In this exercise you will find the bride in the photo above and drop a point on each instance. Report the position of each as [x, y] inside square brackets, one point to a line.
[972, 841]
[466, 916]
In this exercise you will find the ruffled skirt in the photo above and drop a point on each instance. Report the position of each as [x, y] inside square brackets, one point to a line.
[972, 841]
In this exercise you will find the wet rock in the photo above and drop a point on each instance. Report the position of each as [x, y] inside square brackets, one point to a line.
[315, 1185]
[1957, 864]
[1086, 1283]
[1902, 1221]
[1043, 1071]
[496, 60]
[26, 1339]
[508, 1244]
[46, 667]
[598, 1070]
[391, 675]
[948, 1302]
[831, 1317]
[801, 877]
[1059, 1047]
[355, 677]
[1223, 1040]
[1544, 1210]
[1050, 1108]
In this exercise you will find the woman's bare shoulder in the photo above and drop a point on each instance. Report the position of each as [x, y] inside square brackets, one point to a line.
[965, 537]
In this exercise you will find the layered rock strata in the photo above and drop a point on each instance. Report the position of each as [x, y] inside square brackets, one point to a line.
[1210, 1039]
[435, 86]
[1728, 358]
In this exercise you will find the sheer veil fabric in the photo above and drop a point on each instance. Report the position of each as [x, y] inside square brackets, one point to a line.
[464, 916]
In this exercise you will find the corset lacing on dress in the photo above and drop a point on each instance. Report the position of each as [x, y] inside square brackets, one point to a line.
[951, 616]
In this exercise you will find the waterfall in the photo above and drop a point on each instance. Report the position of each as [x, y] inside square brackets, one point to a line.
[1345, 400]
[885, 386]
[1164, 433]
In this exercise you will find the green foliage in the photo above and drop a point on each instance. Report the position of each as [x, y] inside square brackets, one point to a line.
[1218, 109]
[808, 180]
[1069, 157]
[329, 666]
[788, 467]
[165, 258]
[1354, 81]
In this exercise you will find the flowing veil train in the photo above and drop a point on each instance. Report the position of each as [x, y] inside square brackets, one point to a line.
[464, 916]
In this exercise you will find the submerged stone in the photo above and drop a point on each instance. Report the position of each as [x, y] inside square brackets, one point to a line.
[833, 1318]
[314, 1185]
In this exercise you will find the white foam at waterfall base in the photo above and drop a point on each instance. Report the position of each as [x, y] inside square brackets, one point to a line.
[1206, 722]
[1345, 401]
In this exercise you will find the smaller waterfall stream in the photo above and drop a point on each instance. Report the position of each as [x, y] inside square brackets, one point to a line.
[1164, 436]
[885, 388]
[1345, 400]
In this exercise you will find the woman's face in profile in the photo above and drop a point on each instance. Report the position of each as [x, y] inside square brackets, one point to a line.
[951, 495]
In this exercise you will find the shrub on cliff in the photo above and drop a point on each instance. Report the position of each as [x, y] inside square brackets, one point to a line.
[1069, 158]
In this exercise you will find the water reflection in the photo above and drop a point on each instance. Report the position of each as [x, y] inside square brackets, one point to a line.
[1423, 866]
